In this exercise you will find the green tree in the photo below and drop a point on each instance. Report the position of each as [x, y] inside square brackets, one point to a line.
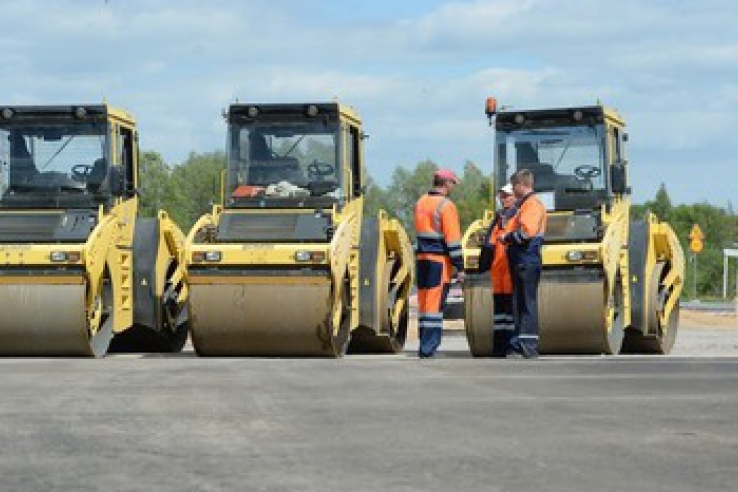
[405, 189]
[195, 186]
[473, 195]
[153, 184]
[375, 198]
[661, 205]
[718, 227]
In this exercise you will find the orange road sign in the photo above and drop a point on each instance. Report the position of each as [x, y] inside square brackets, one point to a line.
[696, 245]
[696, 233]
[696, 236]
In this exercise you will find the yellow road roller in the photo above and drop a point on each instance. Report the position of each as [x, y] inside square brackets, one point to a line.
[609, 284]
[79, 270]
[288, 264]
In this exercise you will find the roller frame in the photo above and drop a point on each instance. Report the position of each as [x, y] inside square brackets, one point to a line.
[385, 281]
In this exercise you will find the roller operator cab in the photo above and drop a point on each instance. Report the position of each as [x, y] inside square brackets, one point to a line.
[608, 283]
[80, 270]
[289, 263]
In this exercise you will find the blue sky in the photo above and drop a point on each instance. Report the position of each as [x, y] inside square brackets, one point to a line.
[417, 71]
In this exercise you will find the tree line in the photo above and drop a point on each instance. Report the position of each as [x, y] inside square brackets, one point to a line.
[190, 189]
[720, 228]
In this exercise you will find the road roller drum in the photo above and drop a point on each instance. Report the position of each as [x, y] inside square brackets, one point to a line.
[232, 319]
[50, 320]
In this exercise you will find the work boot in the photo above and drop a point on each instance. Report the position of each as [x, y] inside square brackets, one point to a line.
[514, 354]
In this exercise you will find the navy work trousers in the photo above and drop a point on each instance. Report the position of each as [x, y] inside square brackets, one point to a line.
[525, 277]
[504, 325]
[432, 294]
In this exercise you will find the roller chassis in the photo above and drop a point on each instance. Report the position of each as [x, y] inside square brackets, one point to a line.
[305, 273]
[69, 284]
[616, 290]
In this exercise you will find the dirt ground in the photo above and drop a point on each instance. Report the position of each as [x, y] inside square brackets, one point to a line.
[708, 320]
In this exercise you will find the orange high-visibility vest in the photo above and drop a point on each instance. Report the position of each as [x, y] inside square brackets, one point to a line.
[500, 271]
[528, 227]
[437, 229]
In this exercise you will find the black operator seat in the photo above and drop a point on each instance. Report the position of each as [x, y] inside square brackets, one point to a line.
[544, 176]
[260, 151]
[97, 175]
[22, 168]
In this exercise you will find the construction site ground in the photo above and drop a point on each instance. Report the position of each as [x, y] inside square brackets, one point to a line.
[378, 423]
[702, 333]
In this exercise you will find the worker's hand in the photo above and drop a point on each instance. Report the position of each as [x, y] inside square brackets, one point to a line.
[460, 277]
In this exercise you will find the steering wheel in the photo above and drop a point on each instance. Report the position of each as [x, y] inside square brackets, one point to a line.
[586, 171]
[80, 172]
[320, 168]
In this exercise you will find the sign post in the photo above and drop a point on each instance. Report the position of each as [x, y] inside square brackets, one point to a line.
[727, 255]
[696, 237]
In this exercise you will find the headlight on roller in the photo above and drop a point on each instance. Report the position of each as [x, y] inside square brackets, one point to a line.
[303, 256]
[211, 256]
[574, 256]
[58, 256]
[577, 255]
[64, 256]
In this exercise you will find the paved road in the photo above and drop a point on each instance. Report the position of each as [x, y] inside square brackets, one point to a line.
[369, 423]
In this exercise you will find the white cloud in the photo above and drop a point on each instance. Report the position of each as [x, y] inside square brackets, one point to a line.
[419, 80]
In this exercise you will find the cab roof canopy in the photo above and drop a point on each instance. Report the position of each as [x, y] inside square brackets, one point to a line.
[241, 113]
[68, 113]
[537, 118]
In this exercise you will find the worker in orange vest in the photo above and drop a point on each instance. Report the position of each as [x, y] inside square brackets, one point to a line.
[438, 251]
[504, 325]
[524, 244]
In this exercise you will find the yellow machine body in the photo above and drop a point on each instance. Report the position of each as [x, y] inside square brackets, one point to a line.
[289, 264]
[70, 283]
[608, 283]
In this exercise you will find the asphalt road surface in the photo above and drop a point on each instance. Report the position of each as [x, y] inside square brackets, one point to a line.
[372, 423]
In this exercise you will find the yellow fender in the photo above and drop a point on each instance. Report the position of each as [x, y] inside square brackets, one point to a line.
[666, 248]
[174, 246]
[339, 253]
[615, 261]
[102, 251]
[397, 246]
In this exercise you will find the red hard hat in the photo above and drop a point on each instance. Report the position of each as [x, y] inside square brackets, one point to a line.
[446, 174]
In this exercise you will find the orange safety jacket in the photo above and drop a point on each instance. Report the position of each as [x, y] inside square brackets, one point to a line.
[438, 231]
[500, 271]
[527, 227]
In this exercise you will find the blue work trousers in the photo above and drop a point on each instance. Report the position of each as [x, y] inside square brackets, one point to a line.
[525, 277]
[504, 325]
[432, 294]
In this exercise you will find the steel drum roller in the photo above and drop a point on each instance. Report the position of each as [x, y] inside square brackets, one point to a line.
[479, 314]
[572, 313]
[263, 319]
[44, 320]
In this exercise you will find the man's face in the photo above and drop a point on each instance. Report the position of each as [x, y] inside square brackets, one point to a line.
[519, 190]
[506, 200]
